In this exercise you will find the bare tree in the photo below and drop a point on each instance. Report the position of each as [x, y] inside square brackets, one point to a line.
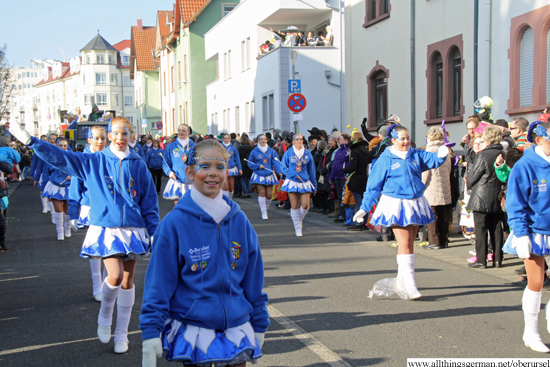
[6, 82]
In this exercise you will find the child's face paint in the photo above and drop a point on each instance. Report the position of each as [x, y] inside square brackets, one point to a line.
[262, 141]
[97, 141]
[403, 142]
[209, 174]
[120, 136]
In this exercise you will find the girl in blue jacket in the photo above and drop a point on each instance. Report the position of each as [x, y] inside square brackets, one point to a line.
[397, 176]
[135, 146]
[123, 217]
[234, 166]
[55, 186]
[79, 204]
[203, 299]
[154, 161]
[528, 209]
[264, 163]
[299, 169]
[175, 163]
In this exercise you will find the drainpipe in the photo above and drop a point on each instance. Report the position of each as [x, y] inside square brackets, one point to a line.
[476, 35]
[489, 40]
[413, 80]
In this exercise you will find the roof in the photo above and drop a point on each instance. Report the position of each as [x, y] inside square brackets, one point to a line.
[122, 45]
[189, 8]
[142, 44]
[65, 74]
[98, 43]
[164, 28]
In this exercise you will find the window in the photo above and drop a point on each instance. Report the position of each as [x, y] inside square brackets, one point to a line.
[185, 68]
[377, 87]
[100, 59]
[179, 72]
[252, 118]
[227, 8]
[243, 56]
[114, 99]
[101, 99]
[127, 81]
[457, 82]
[225, 66]
[268, 111]
[247, 114]
[172, 77]
[88, 60]
[18, 76]
[126, 60]
[526, 68]
[376, 10]
[110, 58]
[101, 78]
[164, 82]
[114, 79]
[229, 64]
[237, 120]
[437, 78]
[131, 119]
[128, 101]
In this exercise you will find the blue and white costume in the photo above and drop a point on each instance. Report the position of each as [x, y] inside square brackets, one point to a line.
[234, 163]
[528, 202]
[398, 177]
[203, 289]
[79, 199]
[136, 147]
[124, 214]
[299, 168]
[267, 157]
[54, 183]
[175, 160]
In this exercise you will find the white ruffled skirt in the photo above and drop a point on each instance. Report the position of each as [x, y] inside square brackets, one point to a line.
[540, 244]
[264, 180]
[234, 171]
[84, 216]
[53, 191]
[130, 243]
[297, 187]
[175, 190]
[197, 345]
[402, 212]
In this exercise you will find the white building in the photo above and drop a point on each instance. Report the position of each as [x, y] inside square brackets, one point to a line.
[251, 94]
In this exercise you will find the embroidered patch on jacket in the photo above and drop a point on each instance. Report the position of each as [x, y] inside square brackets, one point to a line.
[236, 251]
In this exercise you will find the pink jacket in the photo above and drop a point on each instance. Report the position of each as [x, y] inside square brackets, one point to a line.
[438, 181]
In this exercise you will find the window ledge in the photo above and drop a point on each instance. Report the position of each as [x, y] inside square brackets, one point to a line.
[450, 119]
[524, 110]
[376, 20]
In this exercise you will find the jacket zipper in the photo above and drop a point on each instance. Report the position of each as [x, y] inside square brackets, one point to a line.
[121, 198]
[222, 267]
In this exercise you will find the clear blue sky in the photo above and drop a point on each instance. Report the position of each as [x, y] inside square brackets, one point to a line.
[38, 29]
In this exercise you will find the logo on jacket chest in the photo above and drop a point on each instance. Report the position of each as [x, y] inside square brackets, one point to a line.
[395, 166]
[199, 255]
[539, 187]
[236, 254]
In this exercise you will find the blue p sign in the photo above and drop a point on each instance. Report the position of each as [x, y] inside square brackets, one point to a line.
[294, 86]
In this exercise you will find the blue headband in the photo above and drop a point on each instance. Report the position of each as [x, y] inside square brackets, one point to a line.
[109, 128]
[541, 132]
[534, 127]
[89, 134]
[191, 156]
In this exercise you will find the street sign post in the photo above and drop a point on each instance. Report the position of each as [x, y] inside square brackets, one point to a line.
[294, 86]
[296, 102]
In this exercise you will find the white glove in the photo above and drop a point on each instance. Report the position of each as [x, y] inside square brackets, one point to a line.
[358, 217]
[523, 246]
[442, 152]
[152, 349]
[20, 134]
[260, 338]
[73, 224]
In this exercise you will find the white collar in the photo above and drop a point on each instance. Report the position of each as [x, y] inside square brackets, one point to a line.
[217, 208]
[299, 152]
[399, 153]
[543, 155]
[226, 145]
[92, 150]
[120, 155]
[149, 144]
[263, 149]
[183, 142]
[132, 145]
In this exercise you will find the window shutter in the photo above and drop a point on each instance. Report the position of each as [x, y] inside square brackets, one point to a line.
[548, 68]
[526, 70]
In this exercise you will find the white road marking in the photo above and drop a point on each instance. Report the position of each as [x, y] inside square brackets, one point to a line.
[6, 280]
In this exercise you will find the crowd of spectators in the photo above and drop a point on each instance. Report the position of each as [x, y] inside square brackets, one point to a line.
[293, 37]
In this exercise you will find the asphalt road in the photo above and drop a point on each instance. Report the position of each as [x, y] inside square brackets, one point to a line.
[318, 287]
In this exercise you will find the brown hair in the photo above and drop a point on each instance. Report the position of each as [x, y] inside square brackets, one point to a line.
[210, 144]
[122, 119]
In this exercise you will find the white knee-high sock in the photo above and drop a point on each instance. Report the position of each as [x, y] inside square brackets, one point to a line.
[67, 224]
[104, 274]
[261, 202]
[45, 207]
[226, 193]
[296, 218]
[405, 272]
[303, 212]
[230, 194]
[267, 204]
[124, 302]
[531, 307]
[97, 282]
[52, 210]
[58, 221]
[110, 294]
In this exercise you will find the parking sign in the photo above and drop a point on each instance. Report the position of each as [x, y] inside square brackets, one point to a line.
[294, 86]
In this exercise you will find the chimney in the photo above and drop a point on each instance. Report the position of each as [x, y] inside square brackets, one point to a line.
[139, 25]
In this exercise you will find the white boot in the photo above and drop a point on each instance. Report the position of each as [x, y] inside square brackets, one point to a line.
[303, 212]
[405, 272]
[67, 225]
[58, 221]
[52, 210]
[97, 282]
[263, 209]
[267, 204]
[230, 195]
[295, 215]
[45, 207]
[124, 303]
[105, 317]
[531, 308]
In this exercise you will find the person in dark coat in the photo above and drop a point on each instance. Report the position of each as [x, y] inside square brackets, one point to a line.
[357, 171]
[484, 200]
[323, 170]
[244, 151]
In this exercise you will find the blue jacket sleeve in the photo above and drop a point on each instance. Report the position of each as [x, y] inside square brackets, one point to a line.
[285, 166]
[252, 161]
[33, 166]
[147, 158]
[375, 184]
[39, 167]
[311, 171]
[45, 177]
[167, 162]
[275, 163]
[75, 195]
[149, 200]
[75, 164]
[237, 159]
[517, 200]
[430, 160]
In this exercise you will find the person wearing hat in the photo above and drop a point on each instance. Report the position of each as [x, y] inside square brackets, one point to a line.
[96, 114]
[315, 132]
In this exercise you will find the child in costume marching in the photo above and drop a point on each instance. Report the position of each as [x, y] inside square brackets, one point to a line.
[175, 163]
[298, 167]
[264, 163]
[397, 175]
[528, 209]
[55, 186]
[203, 299]
[79, 204]
[123, 217]
[234, 166]
[135, 146]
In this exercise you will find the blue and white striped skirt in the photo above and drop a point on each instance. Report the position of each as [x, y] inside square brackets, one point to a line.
[130, 243]
[297, 187]
[197, 345]
[84, 216]
[234, 171]
[402, 212]
[175, 190]
[264, 180]
[540, 244]
[53, 191]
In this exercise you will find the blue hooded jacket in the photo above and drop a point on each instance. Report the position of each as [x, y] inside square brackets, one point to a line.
[234, 159]
[173, 160]
[528, 197]
[138, 149]
[9, 155]
[78, 193]
[123, 190]
[398, 178]
[269, 159]
[204, 274]
[55, 176]
[307, 173]
[153, 158]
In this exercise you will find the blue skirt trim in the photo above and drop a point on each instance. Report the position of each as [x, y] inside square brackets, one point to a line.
[298, 187]
[175, 190]
[234, 171]
[402, 212]
[264, 180]
[540, 244]
[53, 191]
[84, 216]
[197, 345]
[130, 243]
